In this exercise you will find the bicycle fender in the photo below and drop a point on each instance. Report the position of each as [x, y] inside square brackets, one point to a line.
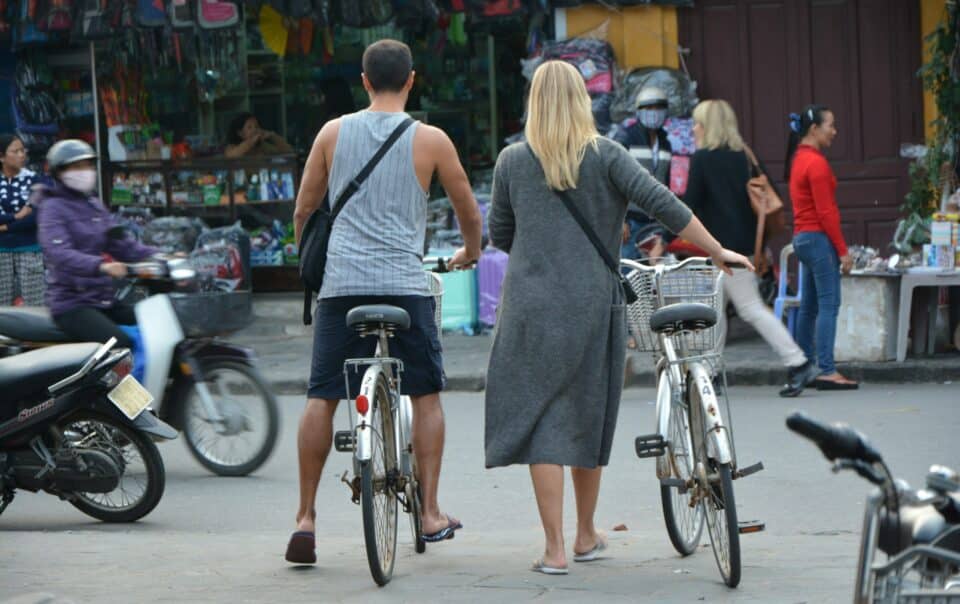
[718, 444]
[664, 404]
[364, 430]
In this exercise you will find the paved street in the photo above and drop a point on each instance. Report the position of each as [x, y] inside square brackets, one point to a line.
[222, 540]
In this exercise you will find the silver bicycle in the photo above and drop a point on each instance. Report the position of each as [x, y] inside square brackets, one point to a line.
[380, 437]
[675, 317]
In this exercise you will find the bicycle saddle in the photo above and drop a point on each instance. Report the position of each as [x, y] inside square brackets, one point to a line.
[686, 316]
[378, 314]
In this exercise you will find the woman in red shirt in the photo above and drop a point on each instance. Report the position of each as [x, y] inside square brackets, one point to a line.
[817, 240]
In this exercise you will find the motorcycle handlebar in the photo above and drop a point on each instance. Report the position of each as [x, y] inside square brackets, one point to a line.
[834, 441]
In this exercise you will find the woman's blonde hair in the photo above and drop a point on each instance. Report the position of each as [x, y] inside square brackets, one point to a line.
[719, 124]
[560, 122]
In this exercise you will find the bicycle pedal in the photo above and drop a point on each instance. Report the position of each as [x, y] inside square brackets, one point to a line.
[751, 526]
[742, 472]
[345, 441]
[650, 445]
[681, 485]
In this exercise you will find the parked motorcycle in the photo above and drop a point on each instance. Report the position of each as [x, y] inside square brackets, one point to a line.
[75, 424]
[918, 530]
[205, 387]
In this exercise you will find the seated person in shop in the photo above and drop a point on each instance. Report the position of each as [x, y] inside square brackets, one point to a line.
[245, 137]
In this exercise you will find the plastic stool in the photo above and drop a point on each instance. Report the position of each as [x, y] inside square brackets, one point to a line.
[783, 302]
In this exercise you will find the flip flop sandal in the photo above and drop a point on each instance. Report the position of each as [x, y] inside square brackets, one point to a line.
[302, 548]
[832, 385]
[447, 532]
[540, 567]
[593, 554]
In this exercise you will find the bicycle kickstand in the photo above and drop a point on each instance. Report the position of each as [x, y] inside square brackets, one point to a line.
[353, 485]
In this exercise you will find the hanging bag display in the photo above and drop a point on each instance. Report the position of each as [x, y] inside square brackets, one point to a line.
[181, 14]
[151, 13]
[315, 237]
[629, 295]
[55, 15]
[214, 14]
[767, 205]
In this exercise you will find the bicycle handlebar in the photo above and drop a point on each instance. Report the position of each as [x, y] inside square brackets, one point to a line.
[837, 441]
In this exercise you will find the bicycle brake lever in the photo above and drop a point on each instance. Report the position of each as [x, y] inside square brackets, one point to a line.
[865, 470]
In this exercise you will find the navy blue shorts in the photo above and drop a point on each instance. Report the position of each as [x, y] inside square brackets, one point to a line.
[333, 343]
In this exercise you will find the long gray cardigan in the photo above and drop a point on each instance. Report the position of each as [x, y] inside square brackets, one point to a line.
[556, 367]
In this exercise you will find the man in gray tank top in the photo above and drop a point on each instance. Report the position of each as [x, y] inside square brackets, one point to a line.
[375, 257]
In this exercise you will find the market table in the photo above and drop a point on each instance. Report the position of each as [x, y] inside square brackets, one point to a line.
[910, 280]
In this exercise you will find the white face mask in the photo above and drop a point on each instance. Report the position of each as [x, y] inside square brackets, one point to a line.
[81, 181]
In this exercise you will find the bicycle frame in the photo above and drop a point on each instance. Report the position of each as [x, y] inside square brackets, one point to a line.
[719, 440]
[390, 369]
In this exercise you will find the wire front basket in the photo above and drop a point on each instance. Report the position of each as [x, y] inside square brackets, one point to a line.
[919, 575]
[659, 286]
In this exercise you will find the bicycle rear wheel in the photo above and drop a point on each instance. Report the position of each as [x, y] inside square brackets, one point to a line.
[715, 492]
[378, 500]
[681, 514]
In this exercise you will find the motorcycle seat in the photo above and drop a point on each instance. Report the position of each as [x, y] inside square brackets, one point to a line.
[34, 371]
[30, 324]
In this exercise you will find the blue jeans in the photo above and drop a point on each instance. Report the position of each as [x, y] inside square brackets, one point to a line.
[817, 320]
[629, 249]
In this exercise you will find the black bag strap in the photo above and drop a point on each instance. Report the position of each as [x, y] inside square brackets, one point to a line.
[592, 236]
[354, 184]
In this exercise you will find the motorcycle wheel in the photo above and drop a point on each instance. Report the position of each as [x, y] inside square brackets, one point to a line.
[240, 391]
[142, 468]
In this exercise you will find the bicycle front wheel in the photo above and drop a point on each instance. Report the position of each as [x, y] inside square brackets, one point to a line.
[681, 514]
[378, 500]
[721, 513]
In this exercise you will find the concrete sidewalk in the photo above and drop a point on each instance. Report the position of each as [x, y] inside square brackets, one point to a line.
[283, 344]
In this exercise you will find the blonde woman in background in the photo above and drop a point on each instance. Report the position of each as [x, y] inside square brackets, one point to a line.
[556, 368]
[717, 193]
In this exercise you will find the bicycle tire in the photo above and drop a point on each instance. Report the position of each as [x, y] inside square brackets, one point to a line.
[378, 501]
[416, 521]
[718, 502]
[684, 522]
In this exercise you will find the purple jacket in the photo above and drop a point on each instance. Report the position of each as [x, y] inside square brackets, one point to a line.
[72, 230]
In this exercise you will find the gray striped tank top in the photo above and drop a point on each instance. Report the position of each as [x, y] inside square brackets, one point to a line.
[376, 246]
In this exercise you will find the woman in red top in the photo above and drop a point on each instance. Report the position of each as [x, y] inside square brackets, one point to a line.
[817, 240]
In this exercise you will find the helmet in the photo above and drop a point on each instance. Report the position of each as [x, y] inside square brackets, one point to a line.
[70, 151]
[650, 96]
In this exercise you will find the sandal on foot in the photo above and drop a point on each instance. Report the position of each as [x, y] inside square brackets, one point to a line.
[822, 384]
[593, 554]
[540, 567]
[302, 548]
[447, 532]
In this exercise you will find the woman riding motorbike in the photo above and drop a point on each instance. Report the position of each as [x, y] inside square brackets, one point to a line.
[82, 260]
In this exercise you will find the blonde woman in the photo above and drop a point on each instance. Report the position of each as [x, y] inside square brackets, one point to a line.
[717, 193]
[556, 368]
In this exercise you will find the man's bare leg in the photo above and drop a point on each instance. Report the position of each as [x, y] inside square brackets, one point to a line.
[313, 445]
[428, 438]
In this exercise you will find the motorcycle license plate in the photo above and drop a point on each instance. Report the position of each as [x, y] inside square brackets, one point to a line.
[130, 397]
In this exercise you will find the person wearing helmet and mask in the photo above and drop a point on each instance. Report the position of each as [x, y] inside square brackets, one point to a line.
[82, 260]
[646, 140]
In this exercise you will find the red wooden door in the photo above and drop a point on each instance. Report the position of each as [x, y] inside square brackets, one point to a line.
[859, 57]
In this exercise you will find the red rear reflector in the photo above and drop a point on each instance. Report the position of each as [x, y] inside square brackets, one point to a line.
[123, 368]
[363, 405]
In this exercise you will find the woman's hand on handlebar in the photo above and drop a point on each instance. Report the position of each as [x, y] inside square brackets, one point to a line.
[726, 257]
[117, 270]
[462, 259]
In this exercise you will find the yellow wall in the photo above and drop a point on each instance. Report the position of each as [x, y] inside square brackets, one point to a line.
[640, 35]
[931, 14]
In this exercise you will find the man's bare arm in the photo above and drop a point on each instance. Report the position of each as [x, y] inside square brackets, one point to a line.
[454, 180]
[313, 185]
